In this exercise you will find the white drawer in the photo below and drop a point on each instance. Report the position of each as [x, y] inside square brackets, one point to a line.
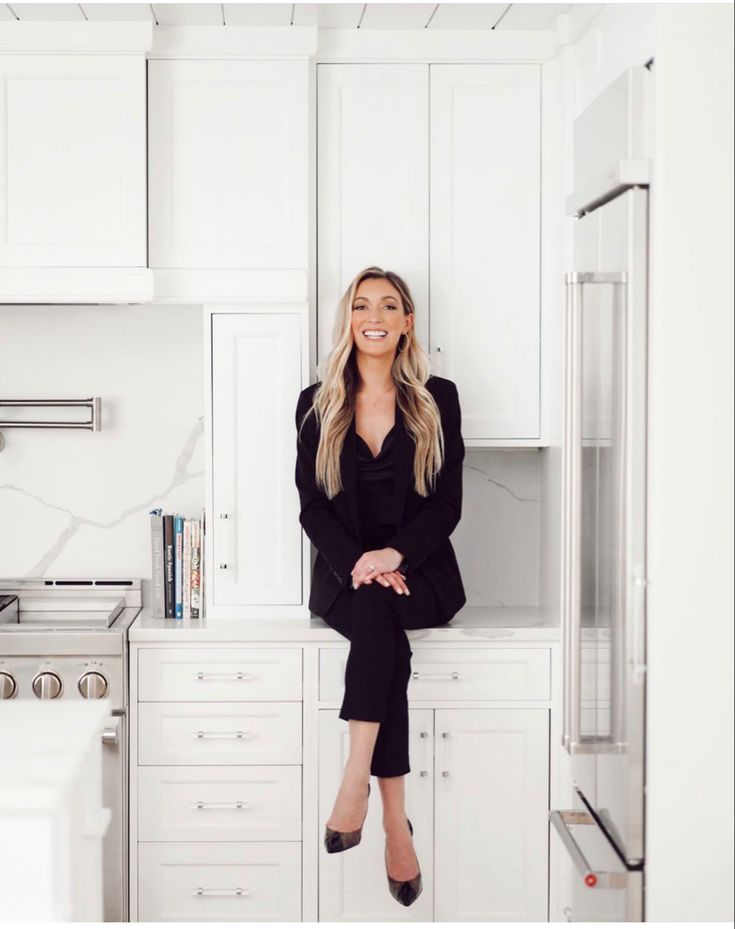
[219, 881]
[457, 673]
[219, 674]
[202, 803]
[225, 733]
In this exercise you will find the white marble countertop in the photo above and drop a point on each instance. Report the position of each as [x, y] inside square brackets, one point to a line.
[514, 623]
[42, 745]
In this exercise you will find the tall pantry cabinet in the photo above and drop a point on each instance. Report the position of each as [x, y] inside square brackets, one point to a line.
[434, 171]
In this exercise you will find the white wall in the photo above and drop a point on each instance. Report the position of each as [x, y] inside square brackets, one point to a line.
[690, 619]
[74, 502]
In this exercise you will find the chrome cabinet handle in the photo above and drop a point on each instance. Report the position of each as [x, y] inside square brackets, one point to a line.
[239, 734]
[561, 820]
[223, 676]
[225, 562]
[435, 676]
[234, 892]
[221, 805]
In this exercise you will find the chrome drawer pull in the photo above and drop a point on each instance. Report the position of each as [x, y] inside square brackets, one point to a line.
[561, 820]
[199, 734]
[223, 676]
[235, 892]
[437, 676]
[221, 805]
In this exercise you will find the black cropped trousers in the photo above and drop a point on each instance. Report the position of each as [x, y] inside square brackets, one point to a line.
[375, 618]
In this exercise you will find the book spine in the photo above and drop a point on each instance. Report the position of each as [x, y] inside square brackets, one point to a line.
[186, 571]
[178, 565]
[158, 605]
[168, 554]
[202, 563]
[195, 568]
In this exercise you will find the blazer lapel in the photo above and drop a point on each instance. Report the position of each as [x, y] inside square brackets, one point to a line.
[404, 450]
[348, 465]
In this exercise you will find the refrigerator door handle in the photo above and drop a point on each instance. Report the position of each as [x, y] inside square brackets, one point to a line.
[562, 819]
[571, 514]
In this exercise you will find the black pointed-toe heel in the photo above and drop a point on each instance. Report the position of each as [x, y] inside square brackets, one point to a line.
[336, 841]
[405, 892]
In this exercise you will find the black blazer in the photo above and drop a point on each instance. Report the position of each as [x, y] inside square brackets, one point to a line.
[425, 523]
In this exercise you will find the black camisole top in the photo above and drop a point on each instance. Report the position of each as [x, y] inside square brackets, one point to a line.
[376, 491]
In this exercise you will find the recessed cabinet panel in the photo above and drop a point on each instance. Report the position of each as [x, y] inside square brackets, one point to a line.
[217, 674]
[255, 531]
[228, 163]
[485, 242]
[373, 184]
[352, 884]
[219, 882]
[219, 733]
[491, 815]
[219, 803]
[72, 161]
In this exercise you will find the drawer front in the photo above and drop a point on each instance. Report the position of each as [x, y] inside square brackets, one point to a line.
[457, 673]
[228, 733]
[213, 804]
[219, 674]
[219, 881]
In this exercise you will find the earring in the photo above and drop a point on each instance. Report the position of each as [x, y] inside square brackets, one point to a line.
[399, 342]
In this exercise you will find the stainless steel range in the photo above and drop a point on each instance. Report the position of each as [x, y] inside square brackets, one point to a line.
[68, 640]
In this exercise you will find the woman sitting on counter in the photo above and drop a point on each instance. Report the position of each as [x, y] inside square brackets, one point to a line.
[379, 475]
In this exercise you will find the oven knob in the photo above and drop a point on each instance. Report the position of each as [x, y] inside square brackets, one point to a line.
[93, 685]
[47, 685]
[8, 686]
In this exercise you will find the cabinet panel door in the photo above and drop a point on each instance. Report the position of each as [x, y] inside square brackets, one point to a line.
[72, 161]
[255, 529]
[492, 798]
[373, 207]
[352, 885]
[228, 164]
[485, 242]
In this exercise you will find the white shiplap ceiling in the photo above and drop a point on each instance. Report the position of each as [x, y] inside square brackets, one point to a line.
[505, 16]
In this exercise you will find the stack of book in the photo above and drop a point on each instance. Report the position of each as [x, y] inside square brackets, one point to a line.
[177, 572]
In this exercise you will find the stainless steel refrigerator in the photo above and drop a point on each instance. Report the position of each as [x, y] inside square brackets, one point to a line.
[604, 511]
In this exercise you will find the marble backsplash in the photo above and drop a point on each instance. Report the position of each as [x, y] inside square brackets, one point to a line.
[76, 503]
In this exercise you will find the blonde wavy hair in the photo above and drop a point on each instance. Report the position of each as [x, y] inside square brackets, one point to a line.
[333, 402]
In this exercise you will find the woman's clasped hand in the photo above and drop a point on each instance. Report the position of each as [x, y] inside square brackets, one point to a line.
[380, 565]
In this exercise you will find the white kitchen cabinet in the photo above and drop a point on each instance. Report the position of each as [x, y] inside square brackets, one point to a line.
[491, 781]
[254, 546]
[245, 805]
[216, 775]
[447, 193]
[228, 164]
[485, 235]
[373, 182]
[73, 169]
[477, 793]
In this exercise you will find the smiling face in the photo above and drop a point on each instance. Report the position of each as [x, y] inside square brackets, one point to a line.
[378, 320]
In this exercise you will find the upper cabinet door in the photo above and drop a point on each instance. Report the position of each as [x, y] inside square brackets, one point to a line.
[228, 164]
[72, 161]
[373, 182]
[485, 242]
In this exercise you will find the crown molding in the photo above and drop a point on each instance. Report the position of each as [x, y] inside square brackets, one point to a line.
[250, 42]
[77, 38]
